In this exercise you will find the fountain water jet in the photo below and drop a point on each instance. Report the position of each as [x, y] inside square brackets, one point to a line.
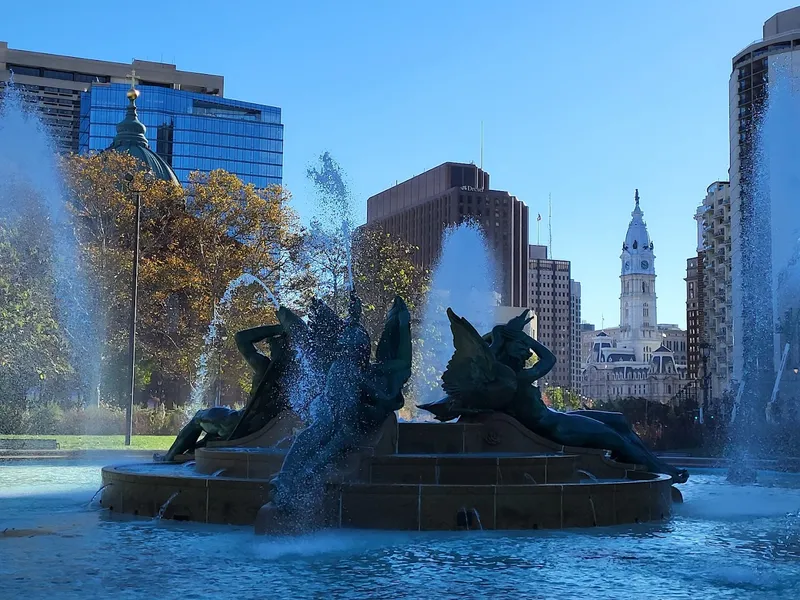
[464, 279]
[98, 492]
[332, 226]
[164, 506]
[201, 386]
[765, 312]
[31, 184]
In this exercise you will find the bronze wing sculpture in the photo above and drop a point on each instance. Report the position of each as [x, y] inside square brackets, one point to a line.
[318, 339]
[384, 381]
[474, 381]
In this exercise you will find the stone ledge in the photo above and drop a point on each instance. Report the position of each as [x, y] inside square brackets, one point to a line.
[237, 501]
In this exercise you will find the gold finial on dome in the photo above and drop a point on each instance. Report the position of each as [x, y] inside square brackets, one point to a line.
[132, 93]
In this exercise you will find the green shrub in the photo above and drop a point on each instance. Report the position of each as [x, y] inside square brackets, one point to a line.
[51, 419]
[93, 420]
[44, 419]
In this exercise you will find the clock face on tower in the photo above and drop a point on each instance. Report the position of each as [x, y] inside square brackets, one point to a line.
[645, 264]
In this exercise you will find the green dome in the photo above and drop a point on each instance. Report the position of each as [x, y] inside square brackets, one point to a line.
[131, 138]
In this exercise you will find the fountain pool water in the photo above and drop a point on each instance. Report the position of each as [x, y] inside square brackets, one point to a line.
[724, 542]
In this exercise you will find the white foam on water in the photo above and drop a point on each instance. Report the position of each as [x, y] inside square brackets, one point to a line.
[324, 543]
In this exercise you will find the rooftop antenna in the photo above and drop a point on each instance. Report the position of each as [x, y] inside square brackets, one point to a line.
[602, 321]
[550, 224]
[481, 145]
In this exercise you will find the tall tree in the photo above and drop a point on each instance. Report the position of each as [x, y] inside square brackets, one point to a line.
[33, 347]
[383, 267]
[193, 243]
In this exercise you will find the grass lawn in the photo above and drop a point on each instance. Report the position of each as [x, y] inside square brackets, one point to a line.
[103, 442]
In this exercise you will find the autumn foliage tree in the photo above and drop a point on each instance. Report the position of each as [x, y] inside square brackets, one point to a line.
[34, 351]
[192, 244]
[383, 267]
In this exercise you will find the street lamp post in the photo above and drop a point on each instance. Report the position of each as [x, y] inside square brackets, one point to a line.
[218, 401]
[137, 199]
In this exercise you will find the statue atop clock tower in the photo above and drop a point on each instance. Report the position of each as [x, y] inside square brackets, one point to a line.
[638, 322]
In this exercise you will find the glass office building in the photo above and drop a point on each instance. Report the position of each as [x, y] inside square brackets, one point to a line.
[191, 131]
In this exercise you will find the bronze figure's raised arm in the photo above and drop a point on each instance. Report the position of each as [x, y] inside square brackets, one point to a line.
[267, 394]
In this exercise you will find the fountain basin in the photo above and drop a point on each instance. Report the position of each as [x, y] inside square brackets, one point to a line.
[415, 476]
[498, 491]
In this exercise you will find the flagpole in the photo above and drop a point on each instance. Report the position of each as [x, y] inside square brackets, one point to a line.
[538, 230]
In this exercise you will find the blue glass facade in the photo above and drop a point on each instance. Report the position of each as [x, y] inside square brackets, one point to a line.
[192, 132]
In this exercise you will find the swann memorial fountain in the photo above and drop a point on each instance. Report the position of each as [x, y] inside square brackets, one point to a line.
[502, 459]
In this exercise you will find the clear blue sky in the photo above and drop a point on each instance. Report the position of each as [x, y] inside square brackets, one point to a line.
[586, 100]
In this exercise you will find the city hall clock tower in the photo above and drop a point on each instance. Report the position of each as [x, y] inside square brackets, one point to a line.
[637, 303]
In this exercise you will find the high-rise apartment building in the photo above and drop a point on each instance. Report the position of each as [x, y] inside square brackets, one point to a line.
[695, 318]
[576, 359]
[715, 324]
[189, 123]
[551, 299]
[420, 209]
[756, 315]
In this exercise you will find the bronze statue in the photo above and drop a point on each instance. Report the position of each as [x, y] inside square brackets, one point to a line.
[357, 398]
[273, 376]
[488, 374]
[217, 422]
[267, 395]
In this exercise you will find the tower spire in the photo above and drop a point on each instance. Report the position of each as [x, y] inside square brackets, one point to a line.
[637, 211]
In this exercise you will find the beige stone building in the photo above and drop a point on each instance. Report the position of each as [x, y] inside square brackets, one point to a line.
[639, 358]
[576, 360]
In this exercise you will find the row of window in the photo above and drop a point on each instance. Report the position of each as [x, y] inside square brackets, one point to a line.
[55, 74]
[204, 125]
[185, 102]
[229, 165]
[197, 138]
[257, 180]
[185, 156]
